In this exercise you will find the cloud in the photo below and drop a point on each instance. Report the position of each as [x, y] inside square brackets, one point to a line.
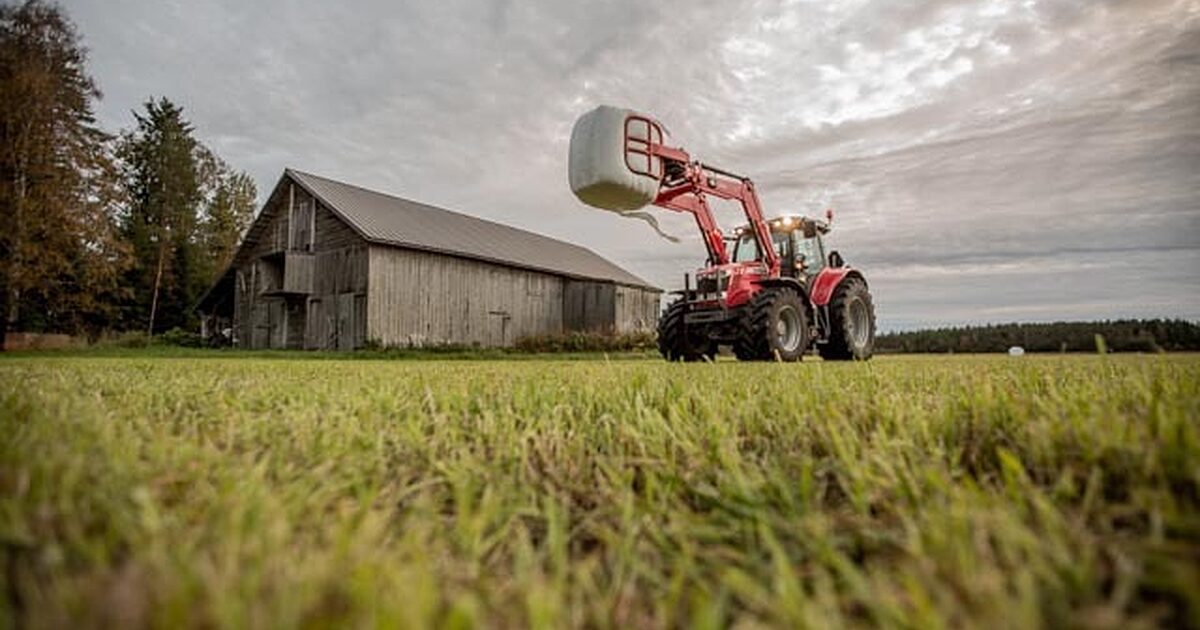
[964, 143]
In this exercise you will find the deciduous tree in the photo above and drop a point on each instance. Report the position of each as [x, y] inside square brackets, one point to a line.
[58, 253]
[230, 200]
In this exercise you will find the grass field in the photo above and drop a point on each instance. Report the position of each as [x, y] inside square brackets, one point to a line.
[217, 490]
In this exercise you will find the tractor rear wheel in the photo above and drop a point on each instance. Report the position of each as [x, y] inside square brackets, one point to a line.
[678, 342]
[775, 326]
[852, 323]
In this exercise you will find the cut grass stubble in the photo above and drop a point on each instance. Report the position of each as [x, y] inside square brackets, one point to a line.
[908, 491]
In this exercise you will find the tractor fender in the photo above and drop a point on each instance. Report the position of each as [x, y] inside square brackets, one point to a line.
[827, 282]
[790, 283]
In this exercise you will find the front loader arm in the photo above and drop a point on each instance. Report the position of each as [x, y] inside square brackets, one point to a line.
[687, 192]
[685, 199]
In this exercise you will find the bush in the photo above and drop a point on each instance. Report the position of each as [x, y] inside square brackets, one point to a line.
[586, 342]
[181, 338]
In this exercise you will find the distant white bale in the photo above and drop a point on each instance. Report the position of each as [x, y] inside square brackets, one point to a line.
[599, 164]
[1016, 351]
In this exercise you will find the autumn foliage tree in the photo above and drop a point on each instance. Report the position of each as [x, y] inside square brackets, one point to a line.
[60, 255]
[101, 233]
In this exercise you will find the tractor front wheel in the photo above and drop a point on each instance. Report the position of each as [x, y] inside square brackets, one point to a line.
[679, 342]
[852, 323]
[775, 326]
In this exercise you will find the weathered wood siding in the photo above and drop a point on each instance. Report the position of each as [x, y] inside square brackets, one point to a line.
[336, 315]
[301, 264]
[636, 309]
[589, 306]
[421, 298]
[298, 272]
[332, 232]
[605, 307]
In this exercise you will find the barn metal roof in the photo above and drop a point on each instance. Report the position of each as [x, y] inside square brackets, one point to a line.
[389, 220]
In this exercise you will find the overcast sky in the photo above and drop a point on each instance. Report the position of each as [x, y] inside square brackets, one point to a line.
[987, 161]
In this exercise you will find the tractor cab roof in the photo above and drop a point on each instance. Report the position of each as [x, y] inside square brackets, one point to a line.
[790, 223]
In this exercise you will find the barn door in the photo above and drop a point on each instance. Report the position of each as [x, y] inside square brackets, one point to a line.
[498, 322]
[278, 327]
[313, 328]
[346, 319]
[260, 325]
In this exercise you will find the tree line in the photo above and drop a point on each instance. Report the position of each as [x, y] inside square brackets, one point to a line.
[101, 231]
[1127, 335]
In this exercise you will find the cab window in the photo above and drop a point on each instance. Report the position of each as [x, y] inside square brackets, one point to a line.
[746, 248]
[809, 251]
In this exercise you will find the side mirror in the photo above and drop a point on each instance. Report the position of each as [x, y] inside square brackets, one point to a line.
[835, 259]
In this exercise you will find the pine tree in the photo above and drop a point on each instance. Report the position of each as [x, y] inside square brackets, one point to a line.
[161, 163]
[187, 210]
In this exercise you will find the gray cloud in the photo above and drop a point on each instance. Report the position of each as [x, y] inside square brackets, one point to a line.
[988, 160]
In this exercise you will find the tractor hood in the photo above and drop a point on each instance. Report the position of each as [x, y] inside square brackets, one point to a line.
[731, 283]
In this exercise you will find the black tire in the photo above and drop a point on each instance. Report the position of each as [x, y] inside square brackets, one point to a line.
[677, 342]
[775, 325]
[852, 323]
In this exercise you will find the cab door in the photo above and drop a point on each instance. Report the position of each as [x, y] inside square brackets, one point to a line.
[808, 255]
[786, 250]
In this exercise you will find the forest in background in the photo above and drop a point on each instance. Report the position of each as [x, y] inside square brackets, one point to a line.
[101, 231]
[1128, 335]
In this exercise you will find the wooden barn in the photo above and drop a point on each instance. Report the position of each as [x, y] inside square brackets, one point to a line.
[328, 265]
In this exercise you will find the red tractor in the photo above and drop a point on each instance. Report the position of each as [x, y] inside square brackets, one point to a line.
[775, 306]
[775, 295]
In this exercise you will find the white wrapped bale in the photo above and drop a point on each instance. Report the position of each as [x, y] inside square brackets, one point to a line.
[602, 171]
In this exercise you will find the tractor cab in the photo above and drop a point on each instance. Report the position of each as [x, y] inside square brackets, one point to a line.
[797, 240]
